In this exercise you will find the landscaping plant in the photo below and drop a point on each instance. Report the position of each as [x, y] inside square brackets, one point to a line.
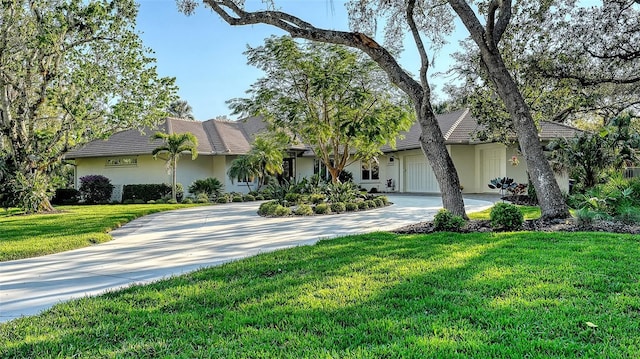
[445, 221]
[506, 217]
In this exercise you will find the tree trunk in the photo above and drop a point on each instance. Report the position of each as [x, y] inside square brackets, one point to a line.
[434, 148]
[550, 198]
[174, 172]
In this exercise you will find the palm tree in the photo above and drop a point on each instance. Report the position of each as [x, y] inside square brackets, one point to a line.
[181, 109]
[243, 168]
[174, 145]
[268, 157]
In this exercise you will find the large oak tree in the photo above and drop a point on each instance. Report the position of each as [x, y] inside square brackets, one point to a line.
[70, 71]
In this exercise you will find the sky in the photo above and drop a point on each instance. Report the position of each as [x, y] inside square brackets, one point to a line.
[205, 54]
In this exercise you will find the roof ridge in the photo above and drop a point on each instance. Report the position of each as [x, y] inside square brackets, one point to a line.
[225, 146]
[455, 124]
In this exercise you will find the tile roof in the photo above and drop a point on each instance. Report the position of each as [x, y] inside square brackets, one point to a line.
[235, 137]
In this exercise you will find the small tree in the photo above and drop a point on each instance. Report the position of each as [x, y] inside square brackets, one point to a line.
[95, 189]
[174, 145]
[243, 169]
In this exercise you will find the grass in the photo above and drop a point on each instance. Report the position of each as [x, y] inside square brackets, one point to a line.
[25, 236]
[530, 212]
[479, 295]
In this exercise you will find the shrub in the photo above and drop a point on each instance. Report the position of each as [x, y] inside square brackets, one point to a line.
[342, 192]
[282, 211]
[447, 221]
[187, 201]
[222, 199]
[379, 202]
[95, 189]
[172, 201]
[322, 208]
[317, 198]
[363, 205]
[211, 186]
[628, 214]
[291, 197]
[586, 216]
[139, 201]
[249, 198]
[260, 197]
[338, 207]
[385, 200]
[351, 206]
[160, 201]
[152, 191]
[66, 196]
[151, 201]
[236, 199]
[202, 198]
[267, 208]
[370, 203]
[506, 217]
[303, 210]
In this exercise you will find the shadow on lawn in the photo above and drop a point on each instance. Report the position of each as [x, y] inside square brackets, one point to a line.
[374, 295]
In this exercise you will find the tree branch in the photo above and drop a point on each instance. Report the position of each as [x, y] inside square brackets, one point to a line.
[301, 29]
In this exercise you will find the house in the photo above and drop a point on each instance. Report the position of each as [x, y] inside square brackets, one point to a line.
[125, 157]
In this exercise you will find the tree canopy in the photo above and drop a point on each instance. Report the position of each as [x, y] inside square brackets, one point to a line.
[174, 145]
[181, 109]
[327, 96]
[71, 71]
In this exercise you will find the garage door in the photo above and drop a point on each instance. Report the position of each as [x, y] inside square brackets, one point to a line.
[418, 175]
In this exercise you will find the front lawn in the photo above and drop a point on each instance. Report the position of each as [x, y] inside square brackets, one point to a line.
[25, 236]
[381, 295]
[529, 212]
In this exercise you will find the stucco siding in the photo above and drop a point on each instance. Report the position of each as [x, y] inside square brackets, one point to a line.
[464, 158]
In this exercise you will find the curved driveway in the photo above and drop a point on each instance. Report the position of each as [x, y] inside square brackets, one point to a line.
[172, 243]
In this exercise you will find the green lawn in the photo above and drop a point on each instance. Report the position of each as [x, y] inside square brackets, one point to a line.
[23, 236]
[446, 295]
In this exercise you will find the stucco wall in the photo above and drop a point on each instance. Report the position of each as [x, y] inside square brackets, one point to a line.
[464, 158]
[147, 170]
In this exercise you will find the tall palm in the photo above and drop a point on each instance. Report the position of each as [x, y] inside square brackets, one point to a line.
[243, 169]
[181, 109]
[268, 157]
[174, 145]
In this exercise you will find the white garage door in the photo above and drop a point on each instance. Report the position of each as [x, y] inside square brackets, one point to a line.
[418, 175]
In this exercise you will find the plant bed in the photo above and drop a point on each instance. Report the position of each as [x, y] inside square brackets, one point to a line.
[563, 225]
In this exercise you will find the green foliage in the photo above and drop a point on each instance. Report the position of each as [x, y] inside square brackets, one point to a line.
[385, 200]
[446, 221]
[147, 192]
[174, 145]
[236, 199]
[616, 199]
[78, 72]
[95, 189]
[281, 211]
[362, 205]
[187, 201]
[361, 113]
[371, 203]
[292, 197]
[202, 198]
[66, 196]
[506, 217]
[322, 208]
[303, 210]
[248, 198]
[243, 169]
[211, 186]
[317, 198]
[223, 199]
[503, 184]
[351, 206]
[338, 207]
[267, 208]
[342, 192]
[379, 202]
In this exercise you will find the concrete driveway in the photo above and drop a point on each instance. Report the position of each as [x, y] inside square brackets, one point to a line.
[172, 243]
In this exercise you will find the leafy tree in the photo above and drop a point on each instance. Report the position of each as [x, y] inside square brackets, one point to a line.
[70, 72]
[243, 169]
[267, 154]
[181, 109]
[328, 96]
[174, 145]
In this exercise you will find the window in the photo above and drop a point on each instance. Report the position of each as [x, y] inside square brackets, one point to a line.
[122, 162]
[319, 168]
[370, 171]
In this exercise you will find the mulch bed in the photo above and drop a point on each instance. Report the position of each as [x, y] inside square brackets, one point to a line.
[565, 225]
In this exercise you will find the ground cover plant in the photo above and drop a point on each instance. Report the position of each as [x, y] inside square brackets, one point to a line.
[445, 295]
[70, 228]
